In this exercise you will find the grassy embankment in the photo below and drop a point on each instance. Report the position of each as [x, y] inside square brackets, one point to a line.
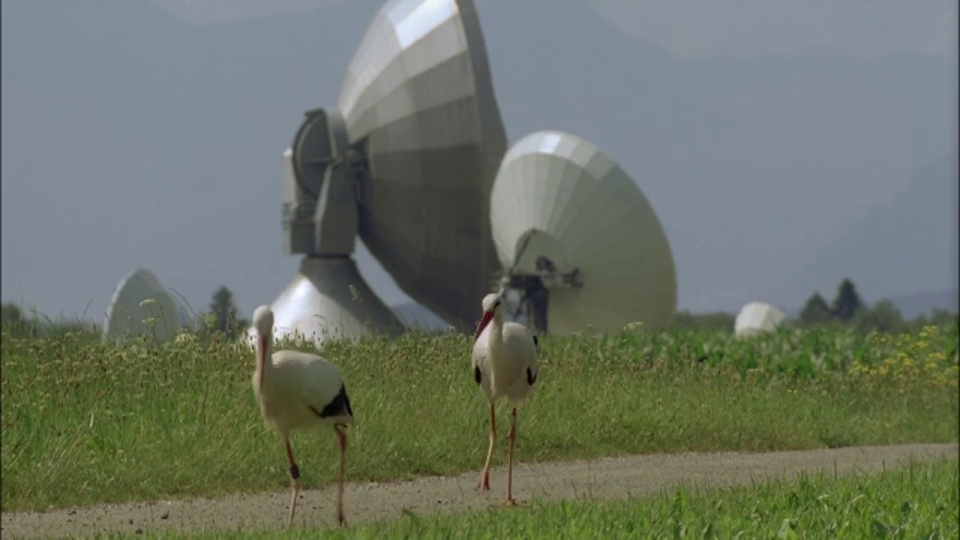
[85, 423]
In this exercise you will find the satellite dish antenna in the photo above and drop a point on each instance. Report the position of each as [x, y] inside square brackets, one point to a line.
[407, 161]
[756, 318]
[581, 247]
[141, 306]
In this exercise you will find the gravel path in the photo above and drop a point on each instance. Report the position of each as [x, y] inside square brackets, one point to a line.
[599, 479]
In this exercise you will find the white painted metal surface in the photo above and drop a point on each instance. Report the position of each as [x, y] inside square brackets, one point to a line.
[757, 318]
[559, 200]
[418, 99]
[329, 299]
[141, 306]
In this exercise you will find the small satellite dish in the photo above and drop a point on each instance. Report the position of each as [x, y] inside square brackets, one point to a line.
[757, 318]
[140, 306]
[581, 248]
[406, 160]
[187, 320]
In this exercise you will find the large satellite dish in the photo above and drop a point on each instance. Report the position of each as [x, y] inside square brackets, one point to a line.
[406, 160]
[757, 318]
[141, 306]
[581, 247]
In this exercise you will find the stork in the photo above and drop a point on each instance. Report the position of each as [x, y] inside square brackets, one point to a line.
[504, 365]
[298, 390]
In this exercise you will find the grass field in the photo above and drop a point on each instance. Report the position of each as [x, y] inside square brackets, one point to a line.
[917, 501]
[85, 423]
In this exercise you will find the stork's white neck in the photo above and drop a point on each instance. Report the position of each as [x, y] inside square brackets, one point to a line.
[495, 335]
[264, 345]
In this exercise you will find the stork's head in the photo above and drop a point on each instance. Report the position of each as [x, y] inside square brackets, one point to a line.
[263, 321]
[491, 303]
[491, 311]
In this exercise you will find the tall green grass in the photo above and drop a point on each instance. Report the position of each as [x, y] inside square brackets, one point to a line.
[918, 501]
[85, 423]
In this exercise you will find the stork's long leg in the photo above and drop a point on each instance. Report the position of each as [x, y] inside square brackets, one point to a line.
[513, 437]
[485, 475]
[342, 435]
[294, 476]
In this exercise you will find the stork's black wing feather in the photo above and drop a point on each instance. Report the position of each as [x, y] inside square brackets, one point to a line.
[338, 406]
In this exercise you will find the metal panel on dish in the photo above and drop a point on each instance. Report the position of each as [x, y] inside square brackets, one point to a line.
[757, 318]
[573, 230]
[418, 99]
[141, 306]
[406, 161]
[328, 299]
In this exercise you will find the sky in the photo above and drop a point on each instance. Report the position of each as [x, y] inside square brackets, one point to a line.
[203, 12]
[699, 29]
[74, 225]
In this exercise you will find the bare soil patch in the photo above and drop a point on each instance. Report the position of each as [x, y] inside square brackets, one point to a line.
[367, 502]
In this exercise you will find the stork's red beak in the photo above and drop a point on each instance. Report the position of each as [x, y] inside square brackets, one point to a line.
[484, 321]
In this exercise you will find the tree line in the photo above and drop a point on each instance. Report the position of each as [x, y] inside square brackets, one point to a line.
[847, 309]
[221, 318]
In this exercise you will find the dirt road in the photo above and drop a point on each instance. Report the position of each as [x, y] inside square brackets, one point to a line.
[604, 478]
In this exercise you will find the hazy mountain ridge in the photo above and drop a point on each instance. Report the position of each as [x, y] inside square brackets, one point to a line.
[126, 109]
[706, 140]
[915, 235]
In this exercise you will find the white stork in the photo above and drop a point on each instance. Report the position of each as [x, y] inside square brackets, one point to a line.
[504, 365]
[299, 390]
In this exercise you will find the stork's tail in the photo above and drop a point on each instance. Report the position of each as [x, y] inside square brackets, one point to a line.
[339, 407]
